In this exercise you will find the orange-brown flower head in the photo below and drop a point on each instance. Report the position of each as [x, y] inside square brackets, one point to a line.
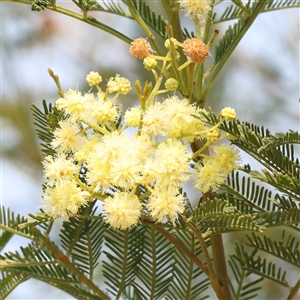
[140, 48]
[196, 50]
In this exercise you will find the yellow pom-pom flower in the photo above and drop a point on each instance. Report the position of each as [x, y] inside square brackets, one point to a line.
[132, 116]
[196, 8]
[122, 210]
[165, 202]
[64, 199]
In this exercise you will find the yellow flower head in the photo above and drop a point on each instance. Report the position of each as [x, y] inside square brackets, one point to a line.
[196, 8]
[117, 161]
[209, 176]
[227, 157]
[181, 122]
[122, 210]
[74, 104]
[59, 168]
[67, 138]
[169, 164]
[154, 121]
[64, 199]
[165, 202]
[132, 116]
[149, 63]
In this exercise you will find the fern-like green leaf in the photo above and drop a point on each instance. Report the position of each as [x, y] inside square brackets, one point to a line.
[284, 217]
[276, 5]
[8, 220]
[283, 182]
[251, 139]
[154, 21]
[121, 267]
[237, 262]
[281, 138]
[46, 122]
[219, 217]
[188, 282]
[212, 208]
[82, 238]
[244, 263]
[247, 195]
[225, 43]
[286, 249]
[110, 6]
[40, 263]
[233, 12]
[155, 265]
[37, 262]
[9, 282]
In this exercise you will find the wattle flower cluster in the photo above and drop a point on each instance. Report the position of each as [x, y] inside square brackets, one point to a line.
[134, 174]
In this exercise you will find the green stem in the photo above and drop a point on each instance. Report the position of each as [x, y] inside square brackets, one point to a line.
[24, 235]
[249, 21]
[172, 9]
[177, 74]
[157, 85]
[89, 20]
[221, 288]
[60, 91]
[294, 291]
[63, 259]
[199, 75]
[220, 265]
[136, 15]
[121, 284]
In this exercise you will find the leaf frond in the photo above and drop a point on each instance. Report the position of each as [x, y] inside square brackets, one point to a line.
[83, 238]
[9, 282]
[188, 282]
[37, 262]
[123, 254]
[154, 21]
[155, 265]
[283, 182]
[46, 122]
[110, 6]
[233, 12]
[247, 195]
[286, 249]
[8, 219]
[237, 262]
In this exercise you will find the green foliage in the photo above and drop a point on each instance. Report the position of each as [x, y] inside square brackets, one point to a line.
[82, 239]
[9, 282]
[286, 249]
[188, 282]
[233, 12]
[152, 19]
[46, 122]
